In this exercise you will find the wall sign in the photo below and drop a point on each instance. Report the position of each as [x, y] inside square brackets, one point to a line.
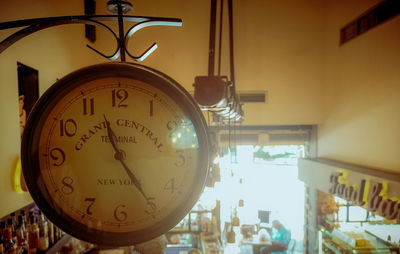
[371, 196]
[375, 190]
[354, 193]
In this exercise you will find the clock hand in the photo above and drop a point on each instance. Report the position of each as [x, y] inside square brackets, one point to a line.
[120, 157]
[111, 136]
[133, 178]
[135, 181]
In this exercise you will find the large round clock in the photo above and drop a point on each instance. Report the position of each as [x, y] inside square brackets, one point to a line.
[115, 153]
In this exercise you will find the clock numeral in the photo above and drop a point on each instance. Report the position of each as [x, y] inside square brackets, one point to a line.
[173, 126]
[68, 128]
[67, 187]
[91, 202]
[152, 208]
[118, 97]
[119, 214]
[58, 156]
[151, 107]
[170, 185]
[88, 108]
[182, 159]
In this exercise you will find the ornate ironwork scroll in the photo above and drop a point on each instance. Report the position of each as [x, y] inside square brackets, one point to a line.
[31, 26]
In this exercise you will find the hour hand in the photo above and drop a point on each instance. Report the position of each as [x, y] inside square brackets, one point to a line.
[111, 135]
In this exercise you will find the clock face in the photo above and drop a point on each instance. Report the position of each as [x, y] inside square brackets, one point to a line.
[115, 154]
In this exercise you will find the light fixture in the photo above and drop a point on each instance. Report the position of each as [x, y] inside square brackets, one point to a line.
[215, 93]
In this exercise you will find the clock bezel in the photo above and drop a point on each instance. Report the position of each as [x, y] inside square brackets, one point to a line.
[38, 116]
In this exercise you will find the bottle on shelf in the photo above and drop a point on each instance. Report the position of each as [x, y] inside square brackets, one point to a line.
[2, 233]
[43, 243]
[24, 218]
[22, 236]
[33, 235]
[27, 231]
[58, 234]
[13, 218]
[10, 245]
[51, 232]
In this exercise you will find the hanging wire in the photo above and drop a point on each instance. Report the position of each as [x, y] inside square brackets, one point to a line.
[235, 137]
[232, 66]
[220, 37]
[240, 131]
[229, 133]
[211, 49]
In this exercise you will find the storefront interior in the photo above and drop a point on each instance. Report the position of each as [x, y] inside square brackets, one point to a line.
[311, 138]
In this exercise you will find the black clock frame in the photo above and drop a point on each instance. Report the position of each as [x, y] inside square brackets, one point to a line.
[31, 167]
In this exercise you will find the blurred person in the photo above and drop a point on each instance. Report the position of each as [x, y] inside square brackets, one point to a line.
[263, 236]
[280, 237]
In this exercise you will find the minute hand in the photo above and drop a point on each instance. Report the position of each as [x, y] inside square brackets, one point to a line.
[111, 135]
[135, 181]
[120, 156]
[133, 178]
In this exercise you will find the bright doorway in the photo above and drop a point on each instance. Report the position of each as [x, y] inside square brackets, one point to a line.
[264, 178]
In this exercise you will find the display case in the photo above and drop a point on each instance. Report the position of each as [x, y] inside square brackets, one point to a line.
[354, 208]
[200, 229]
[339, 242]
[344, 228]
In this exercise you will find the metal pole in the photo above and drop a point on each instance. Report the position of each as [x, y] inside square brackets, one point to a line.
[211, 48]
[231, 45]
[121, 39]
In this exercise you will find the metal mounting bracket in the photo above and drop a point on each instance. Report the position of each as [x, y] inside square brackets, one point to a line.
[33, 25]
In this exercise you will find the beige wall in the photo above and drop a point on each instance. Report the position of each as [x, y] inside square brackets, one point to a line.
[362, 91]
[279, 48]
